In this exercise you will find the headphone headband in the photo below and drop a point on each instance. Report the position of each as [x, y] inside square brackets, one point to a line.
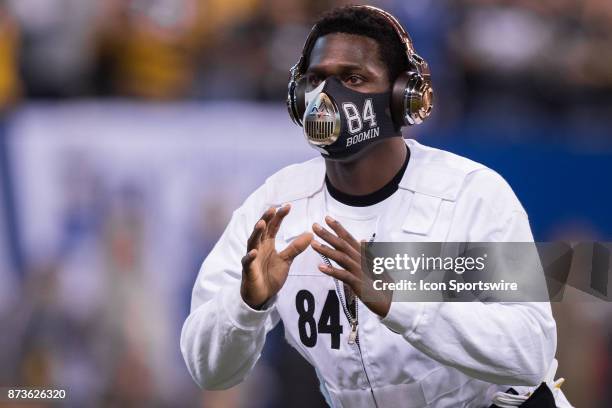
[401, 32]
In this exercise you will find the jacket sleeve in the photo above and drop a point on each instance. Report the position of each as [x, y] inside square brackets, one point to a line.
[501, 343]
[222, 338]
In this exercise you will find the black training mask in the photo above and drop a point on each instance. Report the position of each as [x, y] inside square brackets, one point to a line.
[339, 122]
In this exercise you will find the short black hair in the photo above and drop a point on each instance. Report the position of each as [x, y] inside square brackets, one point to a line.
[362, 21]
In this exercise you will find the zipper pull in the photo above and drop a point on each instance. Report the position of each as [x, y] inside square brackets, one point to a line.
[353, 333]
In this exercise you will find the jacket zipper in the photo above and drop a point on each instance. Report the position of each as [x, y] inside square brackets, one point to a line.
[354, 322]
[354, 334]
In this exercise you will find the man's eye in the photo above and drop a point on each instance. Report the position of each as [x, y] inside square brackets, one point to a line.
[353, 80]
[314, 80]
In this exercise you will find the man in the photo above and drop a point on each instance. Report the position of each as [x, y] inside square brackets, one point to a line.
[358, 82]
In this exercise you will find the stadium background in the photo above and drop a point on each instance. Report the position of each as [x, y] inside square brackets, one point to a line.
[130, 129]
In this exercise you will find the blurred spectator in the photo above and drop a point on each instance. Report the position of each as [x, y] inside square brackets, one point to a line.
[58, 53]
[152, 48]
[251, 59]
[533, 61]
[9, 54]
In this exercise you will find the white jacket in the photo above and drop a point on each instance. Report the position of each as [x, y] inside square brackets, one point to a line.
[420, 354]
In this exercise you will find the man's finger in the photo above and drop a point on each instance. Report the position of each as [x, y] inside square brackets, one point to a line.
[275, 222]
[296, 247]
[248, 259]
[342, 232]
[334, 241]
[341, 258]
[259, 228]
[268, 214]
[341, 275]
[255, 237]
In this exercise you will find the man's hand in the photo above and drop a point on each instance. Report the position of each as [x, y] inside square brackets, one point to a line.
[264, 271]
[346, 252]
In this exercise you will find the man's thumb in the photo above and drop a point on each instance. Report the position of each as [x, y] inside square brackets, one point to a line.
[296, 247]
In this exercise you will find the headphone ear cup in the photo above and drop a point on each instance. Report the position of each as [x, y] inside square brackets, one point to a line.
[296, 100]
[411, 99]
[291, 108]
[300, 99]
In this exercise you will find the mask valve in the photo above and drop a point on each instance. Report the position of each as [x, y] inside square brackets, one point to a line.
[322, 121]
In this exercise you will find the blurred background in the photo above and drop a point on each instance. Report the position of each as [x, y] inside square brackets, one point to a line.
[131, 129]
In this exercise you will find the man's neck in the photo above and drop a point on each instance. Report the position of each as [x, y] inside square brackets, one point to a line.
[371, 171]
